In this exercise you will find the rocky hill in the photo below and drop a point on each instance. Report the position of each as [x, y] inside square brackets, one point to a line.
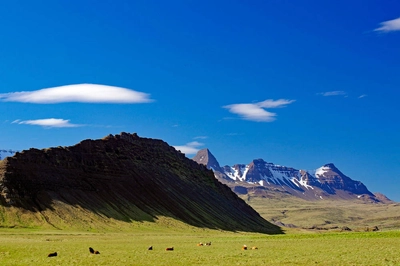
[122, 177]
[260, 178]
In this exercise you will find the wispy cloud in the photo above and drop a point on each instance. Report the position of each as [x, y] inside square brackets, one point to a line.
[333, 93]
[362, 96]
[83, 93]
[256, 111]
[201, 137]
[388, 26]
[189, 148]
[48, 122]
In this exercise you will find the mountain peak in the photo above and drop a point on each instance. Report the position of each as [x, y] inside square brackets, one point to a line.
[333, 178]
[330, 166]
[206, 158]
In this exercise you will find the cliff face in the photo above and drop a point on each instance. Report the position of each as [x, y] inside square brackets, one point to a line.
[127, 178]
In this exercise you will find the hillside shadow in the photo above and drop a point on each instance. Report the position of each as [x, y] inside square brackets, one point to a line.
[126, 178]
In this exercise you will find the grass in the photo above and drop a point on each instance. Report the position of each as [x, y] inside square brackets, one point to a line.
[327, 213]
[30, 247]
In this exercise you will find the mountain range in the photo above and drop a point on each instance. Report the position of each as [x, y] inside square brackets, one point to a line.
[259, 178]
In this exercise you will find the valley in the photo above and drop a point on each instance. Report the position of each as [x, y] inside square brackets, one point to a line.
[326, 215]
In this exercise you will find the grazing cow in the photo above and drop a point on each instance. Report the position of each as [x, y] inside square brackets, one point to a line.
[150, 248]
[199, 244]
[208, 244]
[254, 248]
[92, 251]
[54, 254]
[244, 247]
[169, 249]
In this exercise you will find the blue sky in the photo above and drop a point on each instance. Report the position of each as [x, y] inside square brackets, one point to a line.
[297, 83]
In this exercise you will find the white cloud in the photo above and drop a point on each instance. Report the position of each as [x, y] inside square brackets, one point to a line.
[256, 111]
[189, 148]
[84, 93]
[390, 25]
[333, 93]
[48, 122]
[362, 96]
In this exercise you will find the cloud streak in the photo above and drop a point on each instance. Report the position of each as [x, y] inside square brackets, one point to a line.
[82, 93]
[48, 122]
[255, 111]
[332, 93]
[189, 148]
[388, 26]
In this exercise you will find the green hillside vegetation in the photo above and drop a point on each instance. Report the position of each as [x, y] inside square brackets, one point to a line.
[31, 247]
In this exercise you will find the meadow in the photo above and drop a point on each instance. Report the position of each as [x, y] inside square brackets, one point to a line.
[31, 247]
[327, 213]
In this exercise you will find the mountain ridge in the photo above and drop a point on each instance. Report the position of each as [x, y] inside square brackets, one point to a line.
[258, 176]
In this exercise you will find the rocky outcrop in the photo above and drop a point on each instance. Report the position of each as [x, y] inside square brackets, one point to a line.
[128, 178]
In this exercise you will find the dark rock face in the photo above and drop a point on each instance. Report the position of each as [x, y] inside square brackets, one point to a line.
[125, 177]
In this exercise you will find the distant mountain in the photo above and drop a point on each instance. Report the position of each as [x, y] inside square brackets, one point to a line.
[258, 177]
[124, 178]
[6, 153]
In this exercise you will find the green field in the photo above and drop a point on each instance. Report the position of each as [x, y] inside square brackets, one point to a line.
[31, 247]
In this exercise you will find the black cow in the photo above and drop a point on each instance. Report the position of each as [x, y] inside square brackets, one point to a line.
[54, 254]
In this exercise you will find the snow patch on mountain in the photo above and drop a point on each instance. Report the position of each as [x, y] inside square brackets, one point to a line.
[321, 171]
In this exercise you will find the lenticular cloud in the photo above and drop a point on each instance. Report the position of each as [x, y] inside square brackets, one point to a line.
[84, 93]
[48, 122]
[256, 111]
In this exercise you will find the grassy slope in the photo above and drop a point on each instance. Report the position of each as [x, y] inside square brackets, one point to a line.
[327, 214]
[30, 247]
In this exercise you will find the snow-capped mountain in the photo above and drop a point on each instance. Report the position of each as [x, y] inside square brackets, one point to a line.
[258, 176]
[6, 153]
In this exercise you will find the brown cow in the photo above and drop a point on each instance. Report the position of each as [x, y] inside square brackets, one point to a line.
[254, 247]
[169, 249]
[199, 244]
[92, 251]
[244, 247]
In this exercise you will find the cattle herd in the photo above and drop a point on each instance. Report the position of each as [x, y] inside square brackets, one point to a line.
[92, 251]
